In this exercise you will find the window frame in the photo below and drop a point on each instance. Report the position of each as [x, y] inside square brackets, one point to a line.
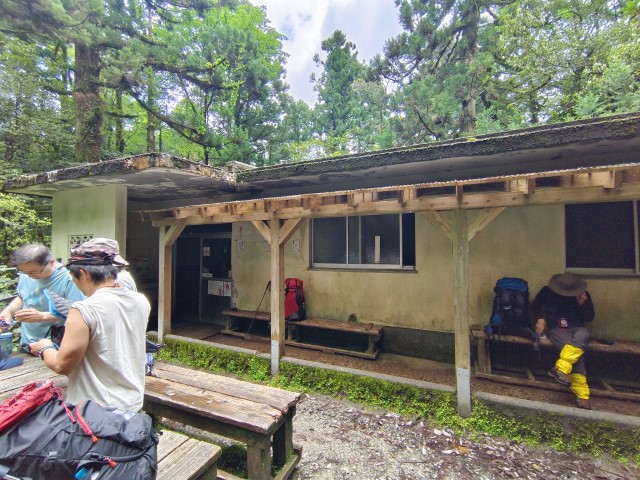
[364, 266]
[620, 272]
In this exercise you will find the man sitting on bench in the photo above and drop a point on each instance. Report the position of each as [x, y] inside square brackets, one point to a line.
[564, 307]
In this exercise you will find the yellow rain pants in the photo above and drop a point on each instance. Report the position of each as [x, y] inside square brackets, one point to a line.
[569, 355]
[579, 386]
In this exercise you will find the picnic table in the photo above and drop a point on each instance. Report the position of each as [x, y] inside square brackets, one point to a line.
[260, 417]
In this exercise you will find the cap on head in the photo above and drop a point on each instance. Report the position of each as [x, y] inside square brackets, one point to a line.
[97, 251]
[567, 284]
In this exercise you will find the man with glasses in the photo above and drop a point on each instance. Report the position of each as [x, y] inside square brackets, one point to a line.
[39, 279]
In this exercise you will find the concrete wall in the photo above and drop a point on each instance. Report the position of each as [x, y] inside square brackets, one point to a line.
[94, 211]
[526, 242]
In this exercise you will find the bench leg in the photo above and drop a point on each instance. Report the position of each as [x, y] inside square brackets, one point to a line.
[259, 459]
[484, 356]
[291, 332]
[283, 440]
[371, 348]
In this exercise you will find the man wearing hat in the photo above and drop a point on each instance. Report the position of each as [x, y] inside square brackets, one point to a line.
[563, 308]
[103, 349]
[124, 278]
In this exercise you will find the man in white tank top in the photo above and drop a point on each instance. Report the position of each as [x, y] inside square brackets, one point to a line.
[103, 349]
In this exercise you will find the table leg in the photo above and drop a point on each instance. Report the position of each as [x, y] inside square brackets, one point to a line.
[259, 458]
[283, 440]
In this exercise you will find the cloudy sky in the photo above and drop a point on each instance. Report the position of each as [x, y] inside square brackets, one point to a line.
[306, 23]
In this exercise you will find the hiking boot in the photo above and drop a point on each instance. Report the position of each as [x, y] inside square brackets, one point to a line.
[583, 403]
[560, 377]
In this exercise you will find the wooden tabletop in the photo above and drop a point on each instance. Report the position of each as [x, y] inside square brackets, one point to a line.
[32, 370]
[220, 398]
[235, 402]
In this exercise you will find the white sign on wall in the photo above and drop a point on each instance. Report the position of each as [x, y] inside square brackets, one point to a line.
[219, 288]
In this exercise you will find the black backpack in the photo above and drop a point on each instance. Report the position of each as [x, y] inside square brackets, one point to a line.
[510, 313]
[85, 441]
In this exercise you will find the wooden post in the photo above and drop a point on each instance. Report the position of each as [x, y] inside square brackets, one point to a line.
[277, 297]
[165, 265]
[461, 311]
[167, 236]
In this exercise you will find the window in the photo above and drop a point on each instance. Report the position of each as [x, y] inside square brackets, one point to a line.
[375, 241]
[602, 237]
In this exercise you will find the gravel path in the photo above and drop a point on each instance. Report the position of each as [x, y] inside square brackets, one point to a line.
[343, 440]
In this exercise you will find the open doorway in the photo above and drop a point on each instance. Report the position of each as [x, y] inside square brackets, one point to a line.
[203, 283]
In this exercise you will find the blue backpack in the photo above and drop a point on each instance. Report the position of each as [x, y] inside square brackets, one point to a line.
[510, 313]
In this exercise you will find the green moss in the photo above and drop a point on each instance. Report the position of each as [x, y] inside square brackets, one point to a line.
[437, 407]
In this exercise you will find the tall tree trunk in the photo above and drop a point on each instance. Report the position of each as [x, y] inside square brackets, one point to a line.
[472, 22]
[119, 122]
[151, 119]
[89, 106]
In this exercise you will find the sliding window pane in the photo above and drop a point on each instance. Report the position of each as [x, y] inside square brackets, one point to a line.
[329, 240]
[354, 240]
[600, 235]
[387, 227]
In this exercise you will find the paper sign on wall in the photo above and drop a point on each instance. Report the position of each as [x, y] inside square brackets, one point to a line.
[219, 288]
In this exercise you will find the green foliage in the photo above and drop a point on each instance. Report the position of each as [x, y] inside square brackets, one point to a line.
[20, 224]
[438, 407]
[8, 283]
[233, 460]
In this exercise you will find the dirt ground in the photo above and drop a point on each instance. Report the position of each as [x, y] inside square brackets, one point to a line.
[343, 440]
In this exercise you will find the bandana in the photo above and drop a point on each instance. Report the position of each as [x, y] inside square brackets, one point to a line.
[91, 258]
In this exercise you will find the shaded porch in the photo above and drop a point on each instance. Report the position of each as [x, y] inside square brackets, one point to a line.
[417, 371]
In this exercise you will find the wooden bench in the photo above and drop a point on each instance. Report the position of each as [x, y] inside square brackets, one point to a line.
[184, 458]
[260, 417]
[372, 332]
[232, 325]
[484, 368]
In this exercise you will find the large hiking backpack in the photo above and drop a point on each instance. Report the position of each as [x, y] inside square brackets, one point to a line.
[294, 306]
[86, 442]
[510, 313]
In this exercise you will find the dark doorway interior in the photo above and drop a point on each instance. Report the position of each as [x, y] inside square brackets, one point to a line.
[203, 283]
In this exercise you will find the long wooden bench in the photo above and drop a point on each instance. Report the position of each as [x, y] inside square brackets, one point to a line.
[372, 332]
[233, 325]
[484, 367]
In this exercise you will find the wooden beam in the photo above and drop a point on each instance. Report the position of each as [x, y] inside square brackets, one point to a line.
[440, 221]
[277, 298]
[172, 234]
[264, 229]
[462, 332]
[526, 186]
[605, 179]
[482, 219]
[471, 201]
[288, 229]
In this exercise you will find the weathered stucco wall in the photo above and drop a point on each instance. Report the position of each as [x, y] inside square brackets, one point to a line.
[142, 246]
[525, 242]
[97, 211]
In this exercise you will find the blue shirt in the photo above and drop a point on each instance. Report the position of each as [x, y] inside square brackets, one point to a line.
[31, 291]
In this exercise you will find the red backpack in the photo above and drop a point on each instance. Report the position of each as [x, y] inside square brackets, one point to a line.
[294, 307]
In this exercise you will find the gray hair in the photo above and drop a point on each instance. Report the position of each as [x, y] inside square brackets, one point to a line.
[97, 273]
[32, 252]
